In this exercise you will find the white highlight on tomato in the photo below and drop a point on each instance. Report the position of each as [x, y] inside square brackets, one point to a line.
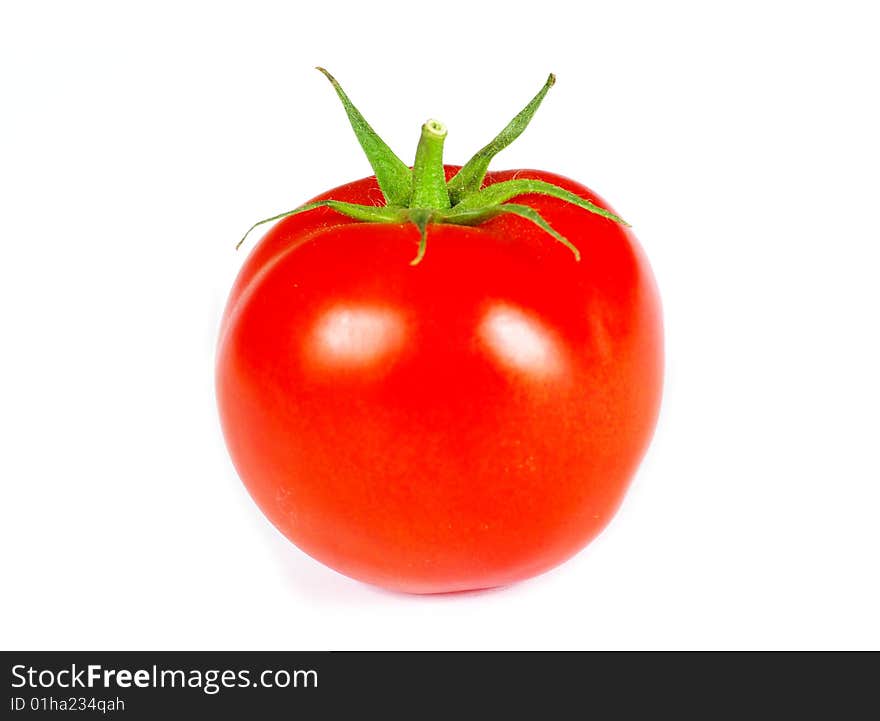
[521, 341]
[357, 335]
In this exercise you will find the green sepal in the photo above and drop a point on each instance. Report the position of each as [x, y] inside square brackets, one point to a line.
[474, 216]
[470, 177]
[421, 217]
[369, 213]
[392, 174]
[529, 213]
[507, 189]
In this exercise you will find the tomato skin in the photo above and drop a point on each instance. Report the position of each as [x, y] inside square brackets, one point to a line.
[464, 423]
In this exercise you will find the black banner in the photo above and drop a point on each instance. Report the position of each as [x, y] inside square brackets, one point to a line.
[267, 685]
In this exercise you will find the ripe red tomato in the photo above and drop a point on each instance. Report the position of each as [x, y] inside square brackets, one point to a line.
[463, 423]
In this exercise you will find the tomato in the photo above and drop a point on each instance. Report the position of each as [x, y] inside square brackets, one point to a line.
[463, 423]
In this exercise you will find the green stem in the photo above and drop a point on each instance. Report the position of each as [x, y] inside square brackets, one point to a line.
[428, 176]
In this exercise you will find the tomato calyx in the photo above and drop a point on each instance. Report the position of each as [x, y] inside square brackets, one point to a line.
[421, 195]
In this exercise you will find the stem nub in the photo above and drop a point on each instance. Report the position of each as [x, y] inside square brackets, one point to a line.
[429, 178]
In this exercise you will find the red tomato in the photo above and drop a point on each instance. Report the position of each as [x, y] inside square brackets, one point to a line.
[463, 423]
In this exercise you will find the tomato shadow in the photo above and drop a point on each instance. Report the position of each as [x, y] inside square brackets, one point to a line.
[307, 577]
[444, 596]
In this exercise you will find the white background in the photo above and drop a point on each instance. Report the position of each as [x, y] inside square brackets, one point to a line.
[140, 139]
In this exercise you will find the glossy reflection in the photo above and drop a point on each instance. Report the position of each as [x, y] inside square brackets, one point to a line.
[356, 335]
[521, 342]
